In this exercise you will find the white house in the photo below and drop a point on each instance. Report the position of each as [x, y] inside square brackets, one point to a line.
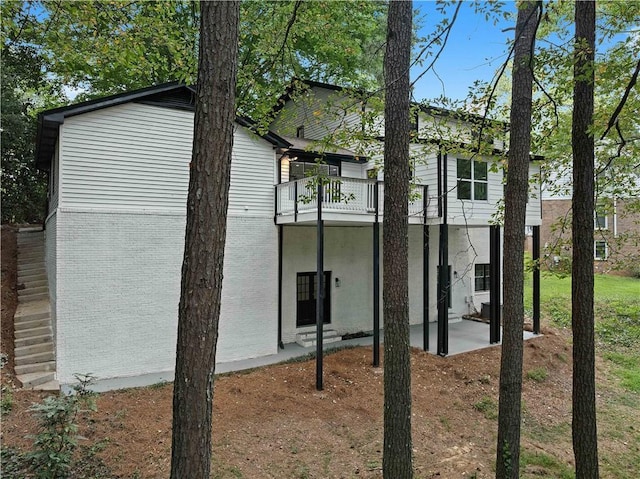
[119, 171]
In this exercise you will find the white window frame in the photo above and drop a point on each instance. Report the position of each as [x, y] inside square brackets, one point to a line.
[597, 217]
[595, 250]
[472, 181]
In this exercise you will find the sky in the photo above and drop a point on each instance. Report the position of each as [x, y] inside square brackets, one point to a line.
[476, 48]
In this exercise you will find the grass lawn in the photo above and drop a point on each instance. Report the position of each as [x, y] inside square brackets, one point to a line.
[617, 328]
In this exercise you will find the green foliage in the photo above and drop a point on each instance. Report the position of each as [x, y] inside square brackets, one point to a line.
[56, 441]
[6, 400]
[488, 407]
[538, 375]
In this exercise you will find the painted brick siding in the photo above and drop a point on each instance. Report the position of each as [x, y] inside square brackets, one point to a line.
[50, 259]
[119, 285]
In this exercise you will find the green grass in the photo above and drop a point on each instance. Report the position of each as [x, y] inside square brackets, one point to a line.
[488, 407]
[538, 374]
[627, 368]
[552, 466]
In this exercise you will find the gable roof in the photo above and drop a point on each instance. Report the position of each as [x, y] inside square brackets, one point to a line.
[428, 109]
[175, 95]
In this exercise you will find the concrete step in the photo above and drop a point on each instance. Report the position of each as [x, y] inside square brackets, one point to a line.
[32, 316]
[31, 270]
[50, 386]
[27, 265]
[36, 367]
[32, 239]
[27, 253]
[454, 318]
[32, 290]
[34, 297]
[309, 339]
[33, 284]
[36, 323]
[33, 380]
[24, 260]
[33, 339]
[32, 333]
[33, 349]
[34, 358]
[26, 278]
[25, 310]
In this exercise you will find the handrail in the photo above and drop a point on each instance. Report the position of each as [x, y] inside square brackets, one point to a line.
[342, 195]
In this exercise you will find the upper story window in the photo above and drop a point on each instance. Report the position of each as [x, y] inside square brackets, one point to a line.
[600, 218]
[302, 169]
[472, 180]
[300, 132]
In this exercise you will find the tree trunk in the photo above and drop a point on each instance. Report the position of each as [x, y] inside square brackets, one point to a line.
[207, 202]
[585, 442]
[508, 447]
[397, 373]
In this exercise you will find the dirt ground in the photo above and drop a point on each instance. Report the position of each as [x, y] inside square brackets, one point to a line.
[272, 423]
[8, 247]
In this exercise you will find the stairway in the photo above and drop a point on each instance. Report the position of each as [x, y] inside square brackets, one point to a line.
[306, 340]
[33, 345]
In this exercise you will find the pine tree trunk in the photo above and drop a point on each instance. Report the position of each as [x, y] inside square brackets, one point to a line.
[585, 441]
[397, 373]
[508, 446]
[207, 202]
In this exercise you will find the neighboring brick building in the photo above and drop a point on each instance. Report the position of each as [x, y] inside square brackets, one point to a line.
[616, 235]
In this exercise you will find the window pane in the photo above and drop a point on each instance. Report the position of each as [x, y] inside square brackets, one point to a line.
[479, 191]
[333, 170]
[479, 170]
[464, 168]
[464, 190]
[296, 170]
[601, 250]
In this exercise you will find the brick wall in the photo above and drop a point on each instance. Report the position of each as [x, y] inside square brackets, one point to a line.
[623, 249]
[118, 289]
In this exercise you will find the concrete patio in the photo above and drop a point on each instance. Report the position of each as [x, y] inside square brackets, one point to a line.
[464, 336]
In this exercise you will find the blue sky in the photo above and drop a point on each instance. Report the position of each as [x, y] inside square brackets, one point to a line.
[476, 48]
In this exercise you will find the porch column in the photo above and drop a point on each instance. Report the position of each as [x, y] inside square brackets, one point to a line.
[443, 260]
[425, 273]
[443, 291]
[319, 289]
[536, 280]
[494, 288]
[280, 259]
[376, 281]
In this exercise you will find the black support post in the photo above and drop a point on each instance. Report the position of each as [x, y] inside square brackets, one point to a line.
[376, 282]
[495, 296]
[425, 273]
[280, 249]
[536, 280]
[319, 289]
[443, 249]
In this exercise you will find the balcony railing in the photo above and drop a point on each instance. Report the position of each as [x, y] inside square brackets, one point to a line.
[343, 195]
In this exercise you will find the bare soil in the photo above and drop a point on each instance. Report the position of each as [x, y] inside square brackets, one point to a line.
[9, 249]
[272, 423]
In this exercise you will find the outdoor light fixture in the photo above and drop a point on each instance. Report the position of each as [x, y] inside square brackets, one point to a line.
[337, 280]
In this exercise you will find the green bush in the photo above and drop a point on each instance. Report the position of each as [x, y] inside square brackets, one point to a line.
[56, 441]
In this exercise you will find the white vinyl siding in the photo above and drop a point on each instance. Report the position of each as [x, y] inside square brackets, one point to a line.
[534, 205]
[136, 156]
[351, 170]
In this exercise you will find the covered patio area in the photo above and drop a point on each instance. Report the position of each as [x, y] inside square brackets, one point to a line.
[464, 336]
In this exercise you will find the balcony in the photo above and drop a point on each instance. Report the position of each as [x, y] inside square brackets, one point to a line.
[344, 200]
